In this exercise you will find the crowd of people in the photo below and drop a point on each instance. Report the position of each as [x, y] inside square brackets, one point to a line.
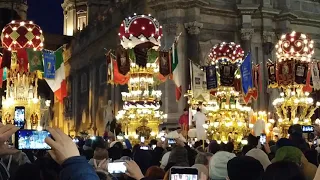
[88, 159]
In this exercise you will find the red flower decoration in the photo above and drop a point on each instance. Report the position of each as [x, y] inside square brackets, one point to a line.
[140, 29]
[22, 34]
[226, 51]
[295, 45]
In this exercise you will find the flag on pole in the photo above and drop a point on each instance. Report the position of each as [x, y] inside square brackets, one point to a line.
[35, 60]
[176, 71]
[58, 84]
[22, 59]
[49, 60]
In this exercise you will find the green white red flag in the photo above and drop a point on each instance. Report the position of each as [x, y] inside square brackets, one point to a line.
[58, 84]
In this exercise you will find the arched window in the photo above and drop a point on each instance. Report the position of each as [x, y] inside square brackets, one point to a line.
[82, 19]
[103, 73]
[84, 82]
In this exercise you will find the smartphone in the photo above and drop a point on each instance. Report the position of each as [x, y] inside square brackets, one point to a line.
[117, 168]
[153, 146]
[171, 141]
[307, 129]
[163, 138]
[19, 116]
[26, 139]
[144, 148]
[177, 173]
[263, 138]
[142, 139]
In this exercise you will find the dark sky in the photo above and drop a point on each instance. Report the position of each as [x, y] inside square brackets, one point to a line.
[48, 14]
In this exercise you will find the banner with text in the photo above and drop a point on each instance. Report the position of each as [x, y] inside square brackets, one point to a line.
[49, 60]
[246, 74]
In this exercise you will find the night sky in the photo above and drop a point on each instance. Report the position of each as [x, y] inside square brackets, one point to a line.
[48, 14]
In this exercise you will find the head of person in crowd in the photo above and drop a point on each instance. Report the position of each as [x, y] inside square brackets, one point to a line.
[114, 153]
[218, 165]
[203, 158]
[214, 147]
[245, 168]
[261, 156]
[199, 149]
[295, 132]
[28, 171]
[49, 168]
[186, 111]
[178, 157]
[127, 153]
[202, 169]
[312, 156]
[87, 145]
[230, 147]
[179, 130]
[100, 152]
[288, 153]
[253, 140]
[283, 170]
[165, 159]
[143, 158]
[155, 172]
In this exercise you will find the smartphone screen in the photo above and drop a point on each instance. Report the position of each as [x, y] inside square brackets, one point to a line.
[307, 129]
[117, 168]
[144, 148]
[19, 116]
[31, 139]
[154, 146]
[263, 138]
[142, 139]
[171, 141]
[178, 173]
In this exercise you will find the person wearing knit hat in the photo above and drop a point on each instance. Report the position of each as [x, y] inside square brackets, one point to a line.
[244, 168]
[293, 154]
[261, 156]
[288, 153]
[218, 165]
[165, 159]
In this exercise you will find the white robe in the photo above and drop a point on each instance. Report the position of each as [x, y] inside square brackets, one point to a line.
[200, 120]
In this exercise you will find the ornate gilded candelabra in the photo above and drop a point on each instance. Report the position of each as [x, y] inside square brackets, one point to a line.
[228, 116]
[21, 84]
[290, 74]
[140, 115]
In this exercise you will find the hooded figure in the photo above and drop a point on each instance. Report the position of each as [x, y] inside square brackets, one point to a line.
[178, 157]
[261, 156]
[293, 154]
[245, 168]
[218, 165]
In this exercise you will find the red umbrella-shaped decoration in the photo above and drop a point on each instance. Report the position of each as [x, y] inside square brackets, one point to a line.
[22, 34]
[140, 29]
[229, 52]
[295, 45]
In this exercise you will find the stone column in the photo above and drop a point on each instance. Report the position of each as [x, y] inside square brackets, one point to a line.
[93, 86]
[193, 46]
[268, 94]
[246, 36]
[77, 120]
[170, 32]
[184, 67]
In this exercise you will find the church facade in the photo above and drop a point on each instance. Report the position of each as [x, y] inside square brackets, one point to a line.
[256, 25]
[93, 24]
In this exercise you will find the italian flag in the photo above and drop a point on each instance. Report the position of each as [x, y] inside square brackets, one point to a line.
[176, 76]
[58, 84]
